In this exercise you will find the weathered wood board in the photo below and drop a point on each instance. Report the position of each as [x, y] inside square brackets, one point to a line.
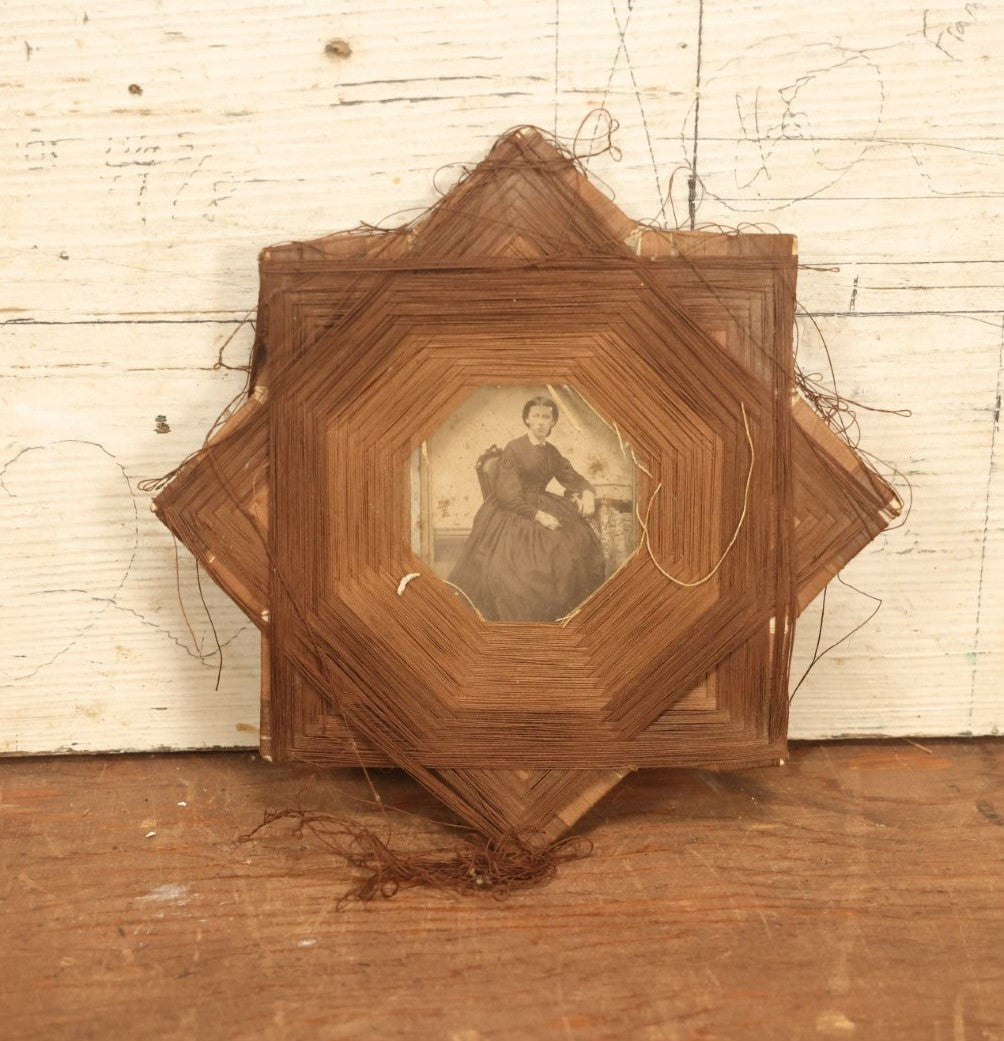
[149, 150]
[853, 895]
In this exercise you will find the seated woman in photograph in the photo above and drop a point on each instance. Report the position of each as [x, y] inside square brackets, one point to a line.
[531, 555]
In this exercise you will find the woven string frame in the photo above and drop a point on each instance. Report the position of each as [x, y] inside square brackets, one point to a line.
[706, 681]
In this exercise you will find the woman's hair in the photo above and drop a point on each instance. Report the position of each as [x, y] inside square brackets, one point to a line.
[543, 401]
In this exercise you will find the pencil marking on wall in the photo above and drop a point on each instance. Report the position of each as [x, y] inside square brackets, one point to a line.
[557, 31]
[692, 180]
[950, 37]
[622, 47]
[47, 479]
[988, 490]
[787, 142]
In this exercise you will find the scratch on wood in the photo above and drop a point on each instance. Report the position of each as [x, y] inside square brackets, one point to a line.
[692, 181]
[991, 462]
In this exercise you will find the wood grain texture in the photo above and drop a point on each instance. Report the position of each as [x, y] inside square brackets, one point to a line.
[131, 224]
[854, 893]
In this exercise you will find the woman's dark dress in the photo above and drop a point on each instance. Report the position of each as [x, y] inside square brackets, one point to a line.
[512, 567]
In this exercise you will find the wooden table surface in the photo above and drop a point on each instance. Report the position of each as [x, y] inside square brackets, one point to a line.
[853, 893]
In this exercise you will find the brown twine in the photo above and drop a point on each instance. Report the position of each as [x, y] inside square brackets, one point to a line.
[477, 866]
[557, 243]
[836, 409]
[212, 626]
[196, 643]
[840, 413]
[817, 654]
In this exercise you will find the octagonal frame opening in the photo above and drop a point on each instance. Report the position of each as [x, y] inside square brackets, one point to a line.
[524, 501]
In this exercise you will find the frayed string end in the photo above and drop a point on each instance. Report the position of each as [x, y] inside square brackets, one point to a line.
[476, 865]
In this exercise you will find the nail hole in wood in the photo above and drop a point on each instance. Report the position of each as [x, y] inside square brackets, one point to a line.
[338, 49]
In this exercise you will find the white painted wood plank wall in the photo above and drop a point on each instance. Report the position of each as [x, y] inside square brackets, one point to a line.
[149, 149]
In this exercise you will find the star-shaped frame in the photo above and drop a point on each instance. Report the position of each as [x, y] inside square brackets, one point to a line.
[738, 298]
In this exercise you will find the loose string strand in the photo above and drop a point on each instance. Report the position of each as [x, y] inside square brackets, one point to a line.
[497, 867]
[818, 655]
[643, 521]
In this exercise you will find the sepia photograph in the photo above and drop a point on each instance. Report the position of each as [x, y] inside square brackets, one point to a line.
[524, 500]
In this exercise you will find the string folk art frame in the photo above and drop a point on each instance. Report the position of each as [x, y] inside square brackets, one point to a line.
[742, 501]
